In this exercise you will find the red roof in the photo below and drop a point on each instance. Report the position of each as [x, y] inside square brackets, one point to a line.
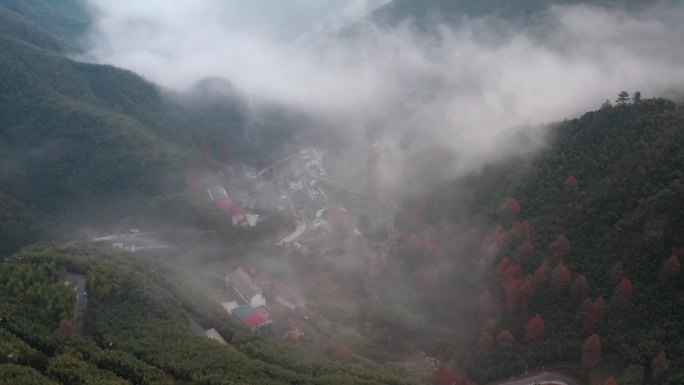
[224, 203]
[253, 320]
[236, 210]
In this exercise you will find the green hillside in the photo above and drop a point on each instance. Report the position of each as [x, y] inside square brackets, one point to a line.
[65, 19]
[80, 142]
[138, 328]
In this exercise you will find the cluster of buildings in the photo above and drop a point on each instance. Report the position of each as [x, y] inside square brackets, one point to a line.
[250, 306]
[238, 216]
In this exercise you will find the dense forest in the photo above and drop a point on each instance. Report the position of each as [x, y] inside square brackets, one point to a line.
[137, 328]
[578, 248]
[569, 258]
[427, 14]
[80, 142]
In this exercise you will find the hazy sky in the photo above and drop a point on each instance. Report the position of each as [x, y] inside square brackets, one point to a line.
[462, 89]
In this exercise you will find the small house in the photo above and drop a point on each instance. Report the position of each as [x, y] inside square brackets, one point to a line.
[245, 289]
[289, 298]
[284, 330]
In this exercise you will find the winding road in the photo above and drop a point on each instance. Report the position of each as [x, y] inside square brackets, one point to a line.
[544, 378]
[79, 281]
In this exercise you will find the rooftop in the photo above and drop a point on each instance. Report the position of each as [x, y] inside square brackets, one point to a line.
[242, 282]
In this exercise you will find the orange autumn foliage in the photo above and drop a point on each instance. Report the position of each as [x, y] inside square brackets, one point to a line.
[505, 340]
[580, 287]
[535, 328]
[522, 230]
[560, 247]
[659, 364]
[524, 250]
[591, 350]
[672, 269]
[623, 292]
[561, 277]
[509, 208]
[543, 272]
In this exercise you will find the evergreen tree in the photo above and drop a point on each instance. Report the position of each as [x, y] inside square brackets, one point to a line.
[623, 98]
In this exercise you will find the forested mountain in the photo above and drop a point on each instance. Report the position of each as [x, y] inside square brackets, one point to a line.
[80, 141]
[569, 257]
[65, 19]
[579, 248]
[426, 14]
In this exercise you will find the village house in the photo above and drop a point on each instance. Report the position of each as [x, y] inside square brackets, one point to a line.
[289, 298]
[241, 283]
[284, 330]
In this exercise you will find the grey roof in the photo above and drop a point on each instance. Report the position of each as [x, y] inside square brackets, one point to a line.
[281, 328]
[242, 283]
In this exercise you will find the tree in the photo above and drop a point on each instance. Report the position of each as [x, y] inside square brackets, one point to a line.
[412, 243]
[503, 268]
[522, 230]
[580, 287]
[606, 105]
[672, 268]
[571, 183]
[486, 342]
[560, 247]
[623, 98]
[509, 208]
[487, 305]
[444, 376]
[592, 313]
[591, 350]
[636, 98]
[659, 364]
[524, 250]
[561, 277]
[505, 340]
[543, 272]
[66, 329]
[623, 292]
[610, 381]
[633, 375]
[616, 273]
[535, 328]
[518, 293]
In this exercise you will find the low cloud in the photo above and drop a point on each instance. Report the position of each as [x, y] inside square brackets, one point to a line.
[468, 88]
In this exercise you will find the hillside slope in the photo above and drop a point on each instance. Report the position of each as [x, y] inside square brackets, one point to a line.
[137, 323]
[589, 235]
[426, 14]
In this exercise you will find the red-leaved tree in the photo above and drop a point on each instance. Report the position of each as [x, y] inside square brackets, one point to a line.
[543, 272]
[524, 250]
[617, 272]
[560, 247]
[591, 350]
[580, 286]
[624, 291]
[672, 269]
[509, 208]
[535, 328]
[660, 364]
[444, 376]
[522, 230]
[561, 277]
[571, 183]
[505, 340]
[610, 381]
[592, 313]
